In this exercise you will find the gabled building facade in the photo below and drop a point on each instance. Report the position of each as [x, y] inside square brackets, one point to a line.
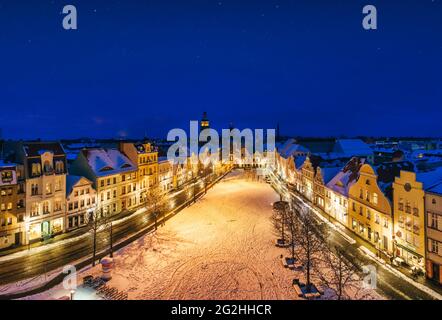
[370, 212]
[409, 219]
[114, 177]
[433, 212]
[81, 202]
[45, 170]
[12, 205]
[308, 179]
[145, 157]
[165, 175]
[337, 190]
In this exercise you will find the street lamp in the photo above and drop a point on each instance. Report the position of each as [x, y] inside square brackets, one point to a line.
[28, 232]
[72, 293]
[379, 247]
[111, 254]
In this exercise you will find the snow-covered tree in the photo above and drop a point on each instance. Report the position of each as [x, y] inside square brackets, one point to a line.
[291, 230]
[155, 203]
[97, 221]
[311, 240]
[280, 211]
[339, 274]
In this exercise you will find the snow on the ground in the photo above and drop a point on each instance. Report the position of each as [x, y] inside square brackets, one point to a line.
[222, 247]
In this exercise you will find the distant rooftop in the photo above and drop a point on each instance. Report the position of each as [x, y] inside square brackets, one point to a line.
[105, 162]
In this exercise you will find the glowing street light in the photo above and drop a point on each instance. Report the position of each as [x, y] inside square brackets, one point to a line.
[28, 231]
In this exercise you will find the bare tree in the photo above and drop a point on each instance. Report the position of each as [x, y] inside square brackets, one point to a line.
[310, 238]
[340, 274]
[97, 221]
[292, 229]
[280, 210]
[155, 202]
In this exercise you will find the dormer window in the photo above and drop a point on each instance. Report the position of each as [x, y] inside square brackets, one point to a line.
[47, 167]
[6, 176]
[59, 166]
[107, 168]
[36, 169]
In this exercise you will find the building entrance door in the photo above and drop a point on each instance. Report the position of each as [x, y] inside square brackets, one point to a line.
[436, 272]
[17, 238]
[45, 229]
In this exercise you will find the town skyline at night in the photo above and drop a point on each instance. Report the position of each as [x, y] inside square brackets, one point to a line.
[210, 157]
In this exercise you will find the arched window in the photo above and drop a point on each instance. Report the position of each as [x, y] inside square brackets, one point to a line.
[47, 166]
[46, 207]
[36, 169]
[59, 166]
[375, 198]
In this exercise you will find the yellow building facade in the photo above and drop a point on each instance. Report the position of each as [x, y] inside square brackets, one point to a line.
[370, 213]
[409, 219]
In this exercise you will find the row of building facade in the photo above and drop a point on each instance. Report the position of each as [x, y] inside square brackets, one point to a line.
[43, 194]
[392, 205]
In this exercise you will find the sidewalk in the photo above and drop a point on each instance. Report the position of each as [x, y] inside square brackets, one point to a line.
[63, 236]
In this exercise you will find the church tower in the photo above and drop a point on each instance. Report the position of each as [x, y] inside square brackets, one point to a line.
[205, 124]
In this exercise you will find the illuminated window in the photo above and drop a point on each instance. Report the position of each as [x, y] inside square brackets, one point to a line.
[46, 207]
[375, 198]
[48, 188]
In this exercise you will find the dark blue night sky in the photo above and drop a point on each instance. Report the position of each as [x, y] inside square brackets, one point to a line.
[135, 66]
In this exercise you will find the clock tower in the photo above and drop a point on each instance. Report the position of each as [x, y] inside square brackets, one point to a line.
[205, 124]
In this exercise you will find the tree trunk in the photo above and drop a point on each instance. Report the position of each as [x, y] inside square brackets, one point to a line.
[94, 248]
[308, 272]
[111, 242]
[293, 249]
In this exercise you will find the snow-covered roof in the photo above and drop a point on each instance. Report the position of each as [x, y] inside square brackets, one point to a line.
[436, 188]
[105, 162]
[81, 145]
[430, 179]
[329, 173]
[4, 164]
[352, 147]
[383, 149]
[299, 161]
[290, 148]
[33, 149]
[346, 177]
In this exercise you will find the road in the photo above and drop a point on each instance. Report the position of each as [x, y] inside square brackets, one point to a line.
[41, 261]
[389, 283]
